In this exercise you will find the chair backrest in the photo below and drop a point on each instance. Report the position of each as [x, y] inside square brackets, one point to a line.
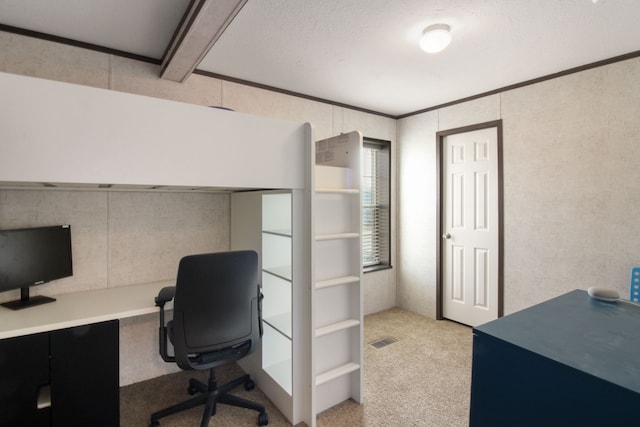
[216, 305]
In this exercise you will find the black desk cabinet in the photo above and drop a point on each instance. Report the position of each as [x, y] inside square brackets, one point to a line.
[571, 361]
[24, 370]
[78, 365]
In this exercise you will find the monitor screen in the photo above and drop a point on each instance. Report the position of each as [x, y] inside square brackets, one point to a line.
[33, 256]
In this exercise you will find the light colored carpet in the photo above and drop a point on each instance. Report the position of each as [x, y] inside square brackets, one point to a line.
[423, 379]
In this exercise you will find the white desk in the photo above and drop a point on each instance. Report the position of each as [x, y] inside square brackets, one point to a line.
[42, 351]
[81, 308]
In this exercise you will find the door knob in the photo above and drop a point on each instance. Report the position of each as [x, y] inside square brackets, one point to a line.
[446, 236]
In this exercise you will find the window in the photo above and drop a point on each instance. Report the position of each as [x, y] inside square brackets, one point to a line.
[376, 217]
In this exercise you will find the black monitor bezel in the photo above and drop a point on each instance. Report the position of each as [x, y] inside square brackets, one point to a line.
[25, 299]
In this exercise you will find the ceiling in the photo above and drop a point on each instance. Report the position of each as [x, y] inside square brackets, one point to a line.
[362, 53]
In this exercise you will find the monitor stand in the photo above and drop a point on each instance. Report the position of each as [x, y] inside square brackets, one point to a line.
[26, 301]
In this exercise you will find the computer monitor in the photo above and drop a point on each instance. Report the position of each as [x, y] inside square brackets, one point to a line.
[31, 257]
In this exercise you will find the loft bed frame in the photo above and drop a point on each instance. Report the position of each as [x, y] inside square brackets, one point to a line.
[61, 134]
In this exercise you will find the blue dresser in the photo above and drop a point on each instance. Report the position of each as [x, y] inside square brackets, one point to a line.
[570, 361]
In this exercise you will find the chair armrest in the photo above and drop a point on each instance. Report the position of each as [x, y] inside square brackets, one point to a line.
[260, 298]
[165, 295]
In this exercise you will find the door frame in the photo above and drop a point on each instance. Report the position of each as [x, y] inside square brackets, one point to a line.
[440, 136]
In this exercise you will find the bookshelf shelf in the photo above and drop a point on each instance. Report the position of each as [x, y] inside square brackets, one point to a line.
[345, 280]
[335, 327]
[336, 373]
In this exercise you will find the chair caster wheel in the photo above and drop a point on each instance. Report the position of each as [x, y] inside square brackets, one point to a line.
[154, 424]
[192, 390]
[263, 419]
[249, 385]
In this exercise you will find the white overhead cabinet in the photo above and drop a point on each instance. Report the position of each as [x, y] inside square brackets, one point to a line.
[336, 268]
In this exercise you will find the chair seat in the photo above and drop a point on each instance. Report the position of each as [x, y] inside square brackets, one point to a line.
[233, 353]
[230, 353]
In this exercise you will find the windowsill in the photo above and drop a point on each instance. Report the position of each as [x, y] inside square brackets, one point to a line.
[378, 267]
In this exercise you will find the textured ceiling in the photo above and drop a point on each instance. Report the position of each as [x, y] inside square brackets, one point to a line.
[362, 52]
[141, 27]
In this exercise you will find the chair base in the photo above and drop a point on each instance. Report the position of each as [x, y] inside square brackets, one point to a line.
[210, 395]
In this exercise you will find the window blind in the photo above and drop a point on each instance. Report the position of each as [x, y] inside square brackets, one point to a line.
[375, 203]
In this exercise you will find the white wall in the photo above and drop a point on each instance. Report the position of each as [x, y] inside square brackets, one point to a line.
[417, 213]
[571, 186]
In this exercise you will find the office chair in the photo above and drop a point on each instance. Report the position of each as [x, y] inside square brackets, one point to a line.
[216, 321]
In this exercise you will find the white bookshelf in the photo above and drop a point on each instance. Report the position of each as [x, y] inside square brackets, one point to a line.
[277, 283]
[336, 271]
[271, 222]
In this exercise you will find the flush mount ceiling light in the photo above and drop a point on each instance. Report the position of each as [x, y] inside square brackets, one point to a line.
[435, 38]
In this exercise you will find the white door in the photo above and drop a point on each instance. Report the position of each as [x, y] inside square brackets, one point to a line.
[470, 224]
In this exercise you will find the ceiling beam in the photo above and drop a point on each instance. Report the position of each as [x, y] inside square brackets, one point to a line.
[203, 23]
